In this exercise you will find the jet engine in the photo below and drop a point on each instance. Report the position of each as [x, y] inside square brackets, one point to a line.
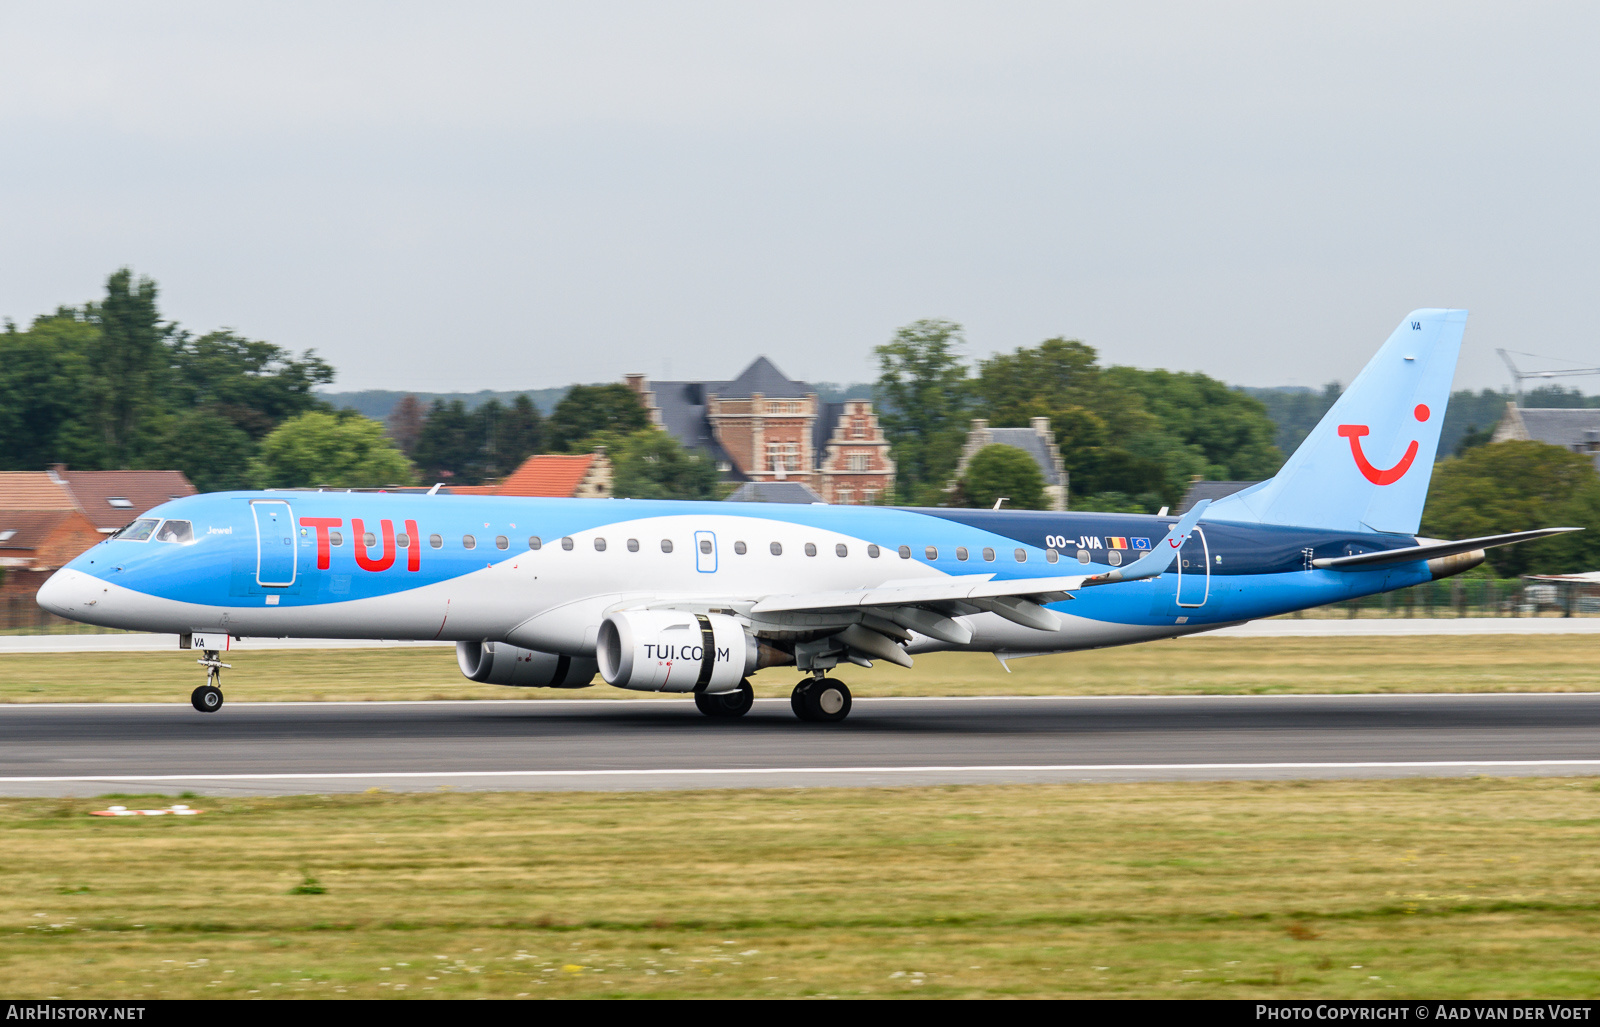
[496, 663]
[666, 651]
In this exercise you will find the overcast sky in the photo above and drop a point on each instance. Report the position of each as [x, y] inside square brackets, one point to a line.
[465, 196]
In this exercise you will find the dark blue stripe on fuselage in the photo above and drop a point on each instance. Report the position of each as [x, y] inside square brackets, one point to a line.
[1244, 548]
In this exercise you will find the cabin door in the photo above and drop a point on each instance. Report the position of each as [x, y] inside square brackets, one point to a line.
[275, 548]
[1194, 570]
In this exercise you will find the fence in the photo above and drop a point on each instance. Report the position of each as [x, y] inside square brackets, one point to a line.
[20, 615]
[1473, 597]
[1453, 597]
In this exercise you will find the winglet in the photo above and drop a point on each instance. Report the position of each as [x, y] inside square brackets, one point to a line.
[1160, 558]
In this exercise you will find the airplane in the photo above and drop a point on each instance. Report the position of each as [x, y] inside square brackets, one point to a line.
[693, 597]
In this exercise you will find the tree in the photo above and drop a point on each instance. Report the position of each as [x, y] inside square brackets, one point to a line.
[130, 365]
[45, 389]
[996, 471]
[1228, 430]
[521, 434]
[212, 451]
[343, 450]
[254, 384]
[1015, 387]
[923, 395]
[1514, 486]
[650, 464]
[405, 423]
[589, 410]
[448, 446]
[111, 385]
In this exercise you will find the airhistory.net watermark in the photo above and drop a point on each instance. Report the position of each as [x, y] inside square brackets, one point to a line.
[1416, 1012]
[71, 1011]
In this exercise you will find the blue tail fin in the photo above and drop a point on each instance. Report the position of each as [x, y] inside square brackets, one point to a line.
[1366, 465]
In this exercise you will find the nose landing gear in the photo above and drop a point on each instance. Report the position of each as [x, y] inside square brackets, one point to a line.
[821, 700]
[208, 697]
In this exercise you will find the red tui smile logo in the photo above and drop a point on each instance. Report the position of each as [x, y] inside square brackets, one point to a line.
[1386, 475]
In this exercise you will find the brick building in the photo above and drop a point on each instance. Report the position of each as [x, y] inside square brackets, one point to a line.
[49, 517]
[1036, 440]
[763, 427]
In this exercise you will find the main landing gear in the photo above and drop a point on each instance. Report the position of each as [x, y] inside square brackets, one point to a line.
[208, 697]
[820, 700]
[727, 705]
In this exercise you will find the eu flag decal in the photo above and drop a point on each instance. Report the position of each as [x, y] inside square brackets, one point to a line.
[1141, 543]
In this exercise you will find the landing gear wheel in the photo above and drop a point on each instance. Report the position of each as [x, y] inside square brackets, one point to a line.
[727, 704]
[207, 698]
[826, 701]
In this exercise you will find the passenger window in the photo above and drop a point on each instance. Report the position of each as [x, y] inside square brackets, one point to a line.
[566, 544]
[369, 540]
[705, 546]
[872, 552]
[777, 548]
[436, 541]
[138, 531]
[534, 542]
[905, 552]
[840, 550]
[666, 545]
[599, 544]
[988, 554]
[633, 545]
[404, 541]
[961, 552]
[500, 542]
[1022, 556]
[740, 548]
[1051, 556]
[175, 531]
[811, 549]
[467, 541]
[1083, 556]
[336, 538]
[1114, 558]
[932, 552]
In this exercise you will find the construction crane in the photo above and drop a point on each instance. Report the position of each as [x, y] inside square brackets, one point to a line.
[1519, 376]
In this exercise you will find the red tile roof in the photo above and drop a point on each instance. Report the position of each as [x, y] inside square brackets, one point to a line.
[94, 491]
[32, 490]
[547, 475]
[471, 490]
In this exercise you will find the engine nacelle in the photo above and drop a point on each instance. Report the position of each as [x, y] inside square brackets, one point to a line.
[496, 663]
[665, 651]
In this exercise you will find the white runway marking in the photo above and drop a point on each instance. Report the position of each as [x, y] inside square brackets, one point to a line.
[725, 771]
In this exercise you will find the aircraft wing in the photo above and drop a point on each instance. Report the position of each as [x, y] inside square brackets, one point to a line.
[1433, 550]
[924, 605]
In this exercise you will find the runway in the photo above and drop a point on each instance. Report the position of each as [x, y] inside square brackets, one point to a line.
[295, 748]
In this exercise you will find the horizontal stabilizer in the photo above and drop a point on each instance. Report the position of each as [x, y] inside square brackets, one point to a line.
[1433, 550]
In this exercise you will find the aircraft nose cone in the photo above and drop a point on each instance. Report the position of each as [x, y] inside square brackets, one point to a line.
[63, 592]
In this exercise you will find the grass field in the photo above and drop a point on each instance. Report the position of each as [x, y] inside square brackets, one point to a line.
[1185, 667]
[1443, 888]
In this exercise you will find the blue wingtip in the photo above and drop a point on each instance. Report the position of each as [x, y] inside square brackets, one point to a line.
[1160, 558]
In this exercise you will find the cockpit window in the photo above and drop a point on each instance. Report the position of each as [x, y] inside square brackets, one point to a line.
[139, 530]
[175, 531]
